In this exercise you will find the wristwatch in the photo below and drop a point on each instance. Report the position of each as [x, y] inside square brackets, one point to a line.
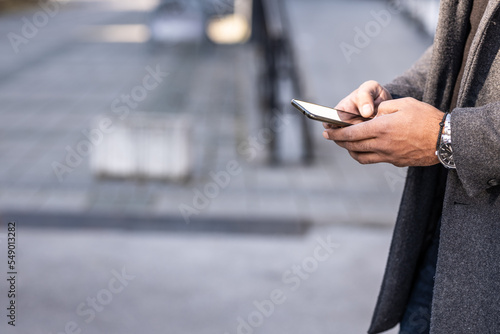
[445, 150]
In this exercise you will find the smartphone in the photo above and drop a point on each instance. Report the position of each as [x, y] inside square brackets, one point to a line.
[328, 115]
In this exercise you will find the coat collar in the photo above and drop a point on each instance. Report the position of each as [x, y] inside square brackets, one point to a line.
[449, 43]
[477, 43]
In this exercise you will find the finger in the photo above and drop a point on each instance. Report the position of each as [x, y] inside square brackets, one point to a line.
[361, 131]
[326, 134]
[392, 106]
[367, 158]
[330, 126]
[377, 93]
[370, 94]
[347, 104]
[362, 146]
[384, 95]
[365, 103]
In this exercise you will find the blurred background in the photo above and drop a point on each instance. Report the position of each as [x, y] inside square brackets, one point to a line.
[160, 180]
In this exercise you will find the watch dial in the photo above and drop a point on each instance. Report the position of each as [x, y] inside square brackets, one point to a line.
[445, 155]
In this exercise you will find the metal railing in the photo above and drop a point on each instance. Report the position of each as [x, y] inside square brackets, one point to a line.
[279, 82]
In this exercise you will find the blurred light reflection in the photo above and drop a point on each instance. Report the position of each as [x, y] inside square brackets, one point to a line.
[125, 5]
[118, 33]
[231, 29]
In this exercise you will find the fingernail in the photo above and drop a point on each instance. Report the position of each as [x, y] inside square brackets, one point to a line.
[325, 135]
[367, 110]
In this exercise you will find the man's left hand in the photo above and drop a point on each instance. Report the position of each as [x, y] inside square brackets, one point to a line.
[404, 133]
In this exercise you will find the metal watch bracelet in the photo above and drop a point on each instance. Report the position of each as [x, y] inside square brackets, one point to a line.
[446, 135]
[445, 151]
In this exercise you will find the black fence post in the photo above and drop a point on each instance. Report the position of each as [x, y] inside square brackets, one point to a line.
[279, 82]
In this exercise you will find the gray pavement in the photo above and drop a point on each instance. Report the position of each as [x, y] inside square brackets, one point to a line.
[60, 80]
[194, 283]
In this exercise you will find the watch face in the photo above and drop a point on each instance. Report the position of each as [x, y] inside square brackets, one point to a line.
[445, 155]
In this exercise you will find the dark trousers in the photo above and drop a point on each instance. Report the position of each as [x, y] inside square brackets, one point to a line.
[417, 317]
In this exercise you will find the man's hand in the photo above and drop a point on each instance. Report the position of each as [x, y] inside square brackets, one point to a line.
[404, 133]
[365, 99]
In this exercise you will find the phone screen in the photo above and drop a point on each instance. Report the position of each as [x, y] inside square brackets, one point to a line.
[328, 115]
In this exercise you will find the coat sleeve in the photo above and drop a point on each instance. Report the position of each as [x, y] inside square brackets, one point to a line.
[412, 82]
[475, 139]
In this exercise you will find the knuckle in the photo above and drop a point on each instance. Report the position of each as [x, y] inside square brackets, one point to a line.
[371, 83]
[385, 128]
[382, 105]
[408, 100]
[349, 136]
[364, 147]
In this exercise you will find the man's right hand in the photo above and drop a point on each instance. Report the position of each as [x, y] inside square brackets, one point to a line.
[364, 100]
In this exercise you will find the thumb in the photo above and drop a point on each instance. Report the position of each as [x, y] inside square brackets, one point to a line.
[366, 105]
[388, 107]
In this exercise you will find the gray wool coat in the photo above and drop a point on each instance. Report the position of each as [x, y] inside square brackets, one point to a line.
[467, 282]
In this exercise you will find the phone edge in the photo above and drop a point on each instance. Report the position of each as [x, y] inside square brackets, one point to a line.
[308, 114]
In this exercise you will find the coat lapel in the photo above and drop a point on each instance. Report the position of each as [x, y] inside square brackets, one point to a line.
[476, 46]
[449, 43]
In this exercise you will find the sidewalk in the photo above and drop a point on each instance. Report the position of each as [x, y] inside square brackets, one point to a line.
[83, 79]
[128, 283]
[196, 283]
